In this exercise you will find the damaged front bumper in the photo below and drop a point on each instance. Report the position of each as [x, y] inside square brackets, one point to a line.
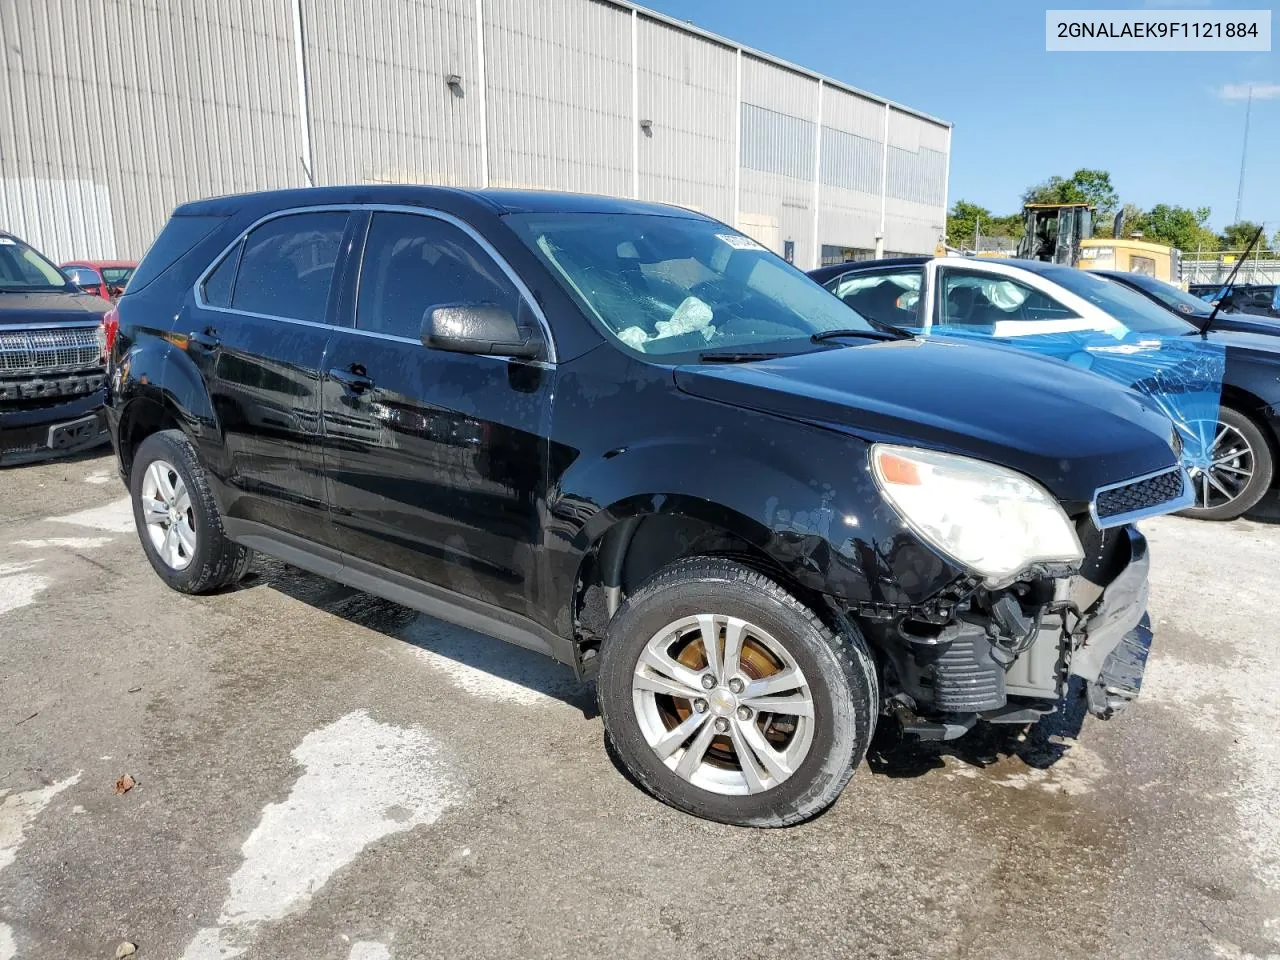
[1008, 655]
[1110, 643]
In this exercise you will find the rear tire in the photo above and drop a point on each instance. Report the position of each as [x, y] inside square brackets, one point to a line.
[684, 741]
[1242, 436]
[177, 519]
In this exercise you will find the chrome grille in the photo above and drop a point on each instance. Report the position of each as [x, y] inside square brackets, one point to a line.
[58, 350]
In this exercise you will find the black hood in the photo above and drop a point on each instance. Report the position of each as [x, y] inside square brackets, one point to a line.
[1246, 331]
[1069, 429]
[53, 306]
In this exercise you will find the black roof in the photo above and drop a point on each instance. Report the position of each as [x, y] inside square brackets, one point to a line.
[822, 274]
[851, 266]
[494, 201]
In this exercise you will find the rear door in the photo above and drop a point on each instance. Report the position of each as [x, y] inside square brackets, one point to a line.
[262, 320]
[437, 461]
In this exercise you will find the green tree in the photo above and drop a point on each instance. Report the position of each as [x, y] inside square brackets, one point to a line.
[1134, 221]
[1236, 236]
[967, 220]
[1084, 186]
[1178, 227]
[963, 220]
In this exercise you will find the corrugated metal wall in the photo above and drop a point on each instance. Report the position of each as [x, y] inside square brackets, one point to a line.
[852, 169]
[380, 107]
[102, 138]
[687, 87]
[116, 110]
[779, 135]
[917, 182]
[559, 97]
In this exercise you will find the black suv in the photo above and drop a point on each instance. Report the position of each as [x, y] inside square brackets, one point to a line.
[629, 437]
[52, 371]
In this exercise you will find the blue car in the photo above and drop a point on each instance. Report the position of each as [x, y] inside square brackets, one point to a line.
[1221, 390]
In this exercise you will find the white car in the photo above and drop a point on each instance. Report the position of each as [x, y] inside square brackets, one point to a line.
[1228, 421]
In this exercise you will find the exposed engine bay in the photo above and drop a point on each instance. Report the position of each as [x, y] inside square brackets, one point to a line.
[1007, 655]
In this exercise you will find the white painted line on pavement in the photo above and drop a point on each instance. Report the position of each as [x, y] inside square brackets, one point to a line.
[369, 950]
[70, 543]
[362, 780]
[19, 809]
[18, 587]
[98, 479]
[114, 517]
[8, 950]
[484, 667]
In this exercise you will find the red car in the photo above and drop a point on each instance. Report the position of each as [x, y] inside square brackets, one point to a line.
[103, 278]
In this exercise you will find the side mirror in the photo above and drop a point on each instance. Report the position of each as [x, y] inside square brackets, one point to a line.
[477, 328]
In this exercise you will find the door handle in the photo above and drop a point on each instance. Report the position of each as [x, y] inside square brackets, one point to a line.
[206, 340]
[353, 378]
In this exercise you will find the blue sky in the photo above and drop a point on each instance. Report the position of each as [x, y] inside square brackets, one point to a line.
[1168, 126]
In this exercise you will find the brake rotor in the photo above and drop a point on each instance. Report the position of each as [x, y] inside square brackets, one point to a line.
[755, 663]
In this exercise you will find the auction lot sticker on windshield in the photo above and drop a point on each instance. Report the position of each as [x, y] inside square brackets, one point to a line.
[1156, 30]
[738, 241]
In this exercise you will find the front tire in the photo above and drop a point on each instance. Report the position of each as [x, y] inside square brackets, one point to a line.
[1238, 470]
[177, 519]
[726, 697]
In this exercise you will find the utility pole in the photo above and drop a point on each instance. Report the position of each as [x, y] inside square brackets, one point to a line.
[1244, 152]
[977, 231]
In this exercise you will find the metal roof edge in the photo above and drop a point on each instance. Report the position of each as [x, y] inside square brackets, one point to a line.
[776, 61]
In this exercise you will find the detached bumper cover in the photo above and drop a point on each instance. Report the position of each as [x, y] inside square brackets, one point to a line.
[1111, 654]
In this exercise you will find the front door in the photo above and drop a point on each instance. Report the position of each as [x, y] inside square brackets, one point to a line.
[437, 461]
[258, 332]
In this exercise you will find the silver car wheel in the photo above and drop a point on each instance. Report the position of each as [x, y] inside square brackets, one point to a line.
[170, 520]
[1226, 469]
[723, 704]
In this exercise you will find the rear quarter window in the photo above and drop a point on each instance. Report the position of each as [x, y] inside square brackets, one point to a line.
[217, 287]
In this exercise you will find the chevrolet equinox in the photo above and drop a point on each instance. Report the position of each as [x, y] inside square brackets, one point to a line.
[629, 437]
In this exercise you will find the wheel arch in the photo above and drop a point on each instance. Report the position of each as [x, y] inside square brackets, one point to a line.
[159, 389]
[631, 541]
[1249, 404]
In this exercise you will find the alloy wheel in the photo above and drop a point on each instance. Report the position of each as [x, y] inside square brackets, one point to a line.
[1225, 469]
[723, 704]
[170, 520]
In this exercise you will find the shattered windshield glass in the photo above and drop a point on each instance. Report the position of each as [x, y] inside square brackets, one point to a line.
[666, 286]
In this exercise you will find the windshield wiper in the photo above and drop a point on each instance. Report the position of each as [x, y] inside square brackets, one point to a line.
[737, 357]
[862, 334]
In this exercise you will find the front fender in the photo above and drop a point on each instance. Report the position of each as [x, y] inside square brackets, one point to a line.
[806, 501]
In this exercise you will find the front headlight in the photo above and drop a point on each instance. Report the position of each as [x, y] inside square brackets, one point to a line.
[991, 520]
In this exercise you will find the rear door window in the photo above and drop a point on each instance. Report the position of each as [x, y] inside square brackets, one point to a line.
[286, 268]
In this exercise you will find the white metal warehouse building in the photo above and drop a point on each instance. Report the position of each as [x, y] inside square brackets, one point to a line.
[117, 110]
